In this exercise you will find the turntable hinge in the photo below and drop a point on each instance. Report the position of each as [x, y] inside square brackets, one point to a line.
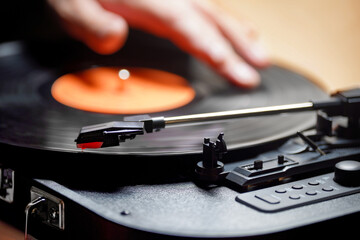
[44, 208]
[7, 184]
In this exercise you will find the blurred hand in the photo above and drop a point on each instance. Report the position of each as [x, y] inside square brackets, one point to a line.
[229, 45]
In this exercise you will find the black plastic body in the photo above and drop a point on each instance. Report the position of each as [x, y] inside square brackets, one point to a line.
[152, 199]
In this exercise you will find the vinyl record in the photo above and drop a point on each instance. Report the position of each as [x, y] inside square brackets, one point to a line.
[31, 117]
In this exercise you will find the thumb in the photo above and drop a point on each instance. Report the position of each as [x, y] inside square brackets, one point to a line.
[86, 20]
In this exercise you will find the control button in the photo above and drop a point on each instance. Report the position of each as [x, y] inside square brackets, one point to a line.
[297, 187]
[347, 173]
[311, 193]
[281, 190]
[258, 164]
[294, 197]
[313, 183]
[328, 189]
[268, 199]
[281, 159]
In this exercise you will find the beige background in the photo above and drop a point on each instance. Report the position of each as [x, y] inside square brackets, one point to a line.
[321, 38]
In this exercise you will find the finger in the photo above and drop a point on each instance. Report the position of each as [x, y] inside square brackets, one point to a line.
[242, 34]
[196, 35]
[86, 20]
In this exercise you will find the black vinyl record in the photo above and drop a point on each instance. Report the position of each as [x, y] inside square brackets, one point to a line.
[30, 117]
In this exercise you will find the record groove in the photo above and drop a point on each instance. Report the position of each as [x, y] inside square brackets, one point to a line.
[30, 117]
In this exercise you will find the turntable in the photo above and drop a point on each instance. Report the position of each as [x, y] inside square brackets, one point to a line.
[278, 161]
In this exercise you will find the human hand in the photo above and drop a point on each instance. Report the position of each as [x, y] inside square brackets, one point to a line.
[198, 27]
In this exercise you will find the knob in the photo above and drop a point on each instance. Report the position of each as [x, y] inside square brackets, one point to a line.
[347, 173]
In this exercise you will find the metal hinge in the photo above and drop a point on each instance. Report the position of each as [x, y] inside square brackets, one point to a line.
[44, 208]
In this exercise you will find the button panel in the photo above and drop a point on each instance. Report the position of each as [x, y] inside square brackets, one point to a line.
[295, 194]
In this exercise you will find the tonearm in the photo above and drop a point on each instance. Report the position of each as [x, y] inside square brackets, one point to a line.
[344, 103]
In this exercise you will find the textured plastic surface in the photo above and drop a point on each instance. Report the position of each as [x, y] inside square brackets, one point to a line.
[184, 209]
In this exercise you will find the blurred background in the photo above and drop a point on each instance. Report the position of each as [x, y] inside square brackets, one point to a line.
[318, 38]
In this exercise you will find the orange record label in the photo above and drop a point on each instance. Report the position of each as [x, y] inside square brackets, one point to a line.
[122, 91]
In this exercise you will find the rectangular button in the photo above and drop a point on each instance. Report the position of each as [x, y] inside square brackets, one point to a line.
[268, 199]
